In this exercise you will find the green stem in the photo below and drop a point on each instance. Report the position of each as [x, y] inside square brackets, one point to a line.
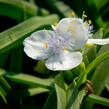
[99, 100]
[97, 61]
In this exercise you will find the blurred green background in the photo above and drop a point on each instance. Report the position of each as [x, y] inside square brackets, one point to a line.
[26, 83]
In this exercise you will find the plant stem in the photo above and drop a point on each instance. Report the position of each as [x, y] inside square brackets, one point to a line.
[99, 100]
[97, 61]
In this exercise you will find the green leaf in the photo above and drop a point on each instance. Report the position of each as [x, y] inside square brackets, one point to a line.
[61, 91]
[99, 21]
[16, 58]
[90, 51]
[99, 4]
[73, 90]
[5, 88]
[100, 75]
[43, 12]
[30, 91]
[15, 35]
[2, 72]
[107, 83]
[29, 80]
[3, 59]
[3, 94]
[61, 97]
[51, 102]
[99, 100]
[107, 86]
[40, 68]
[36, 91]
[72, 95]
[19, 10]
[102, 71]
[97, 61]
[60, 7]
[93, 49]
[77, 103]
[98, 34]
[106, 32]
[3, 82]
[32, 1]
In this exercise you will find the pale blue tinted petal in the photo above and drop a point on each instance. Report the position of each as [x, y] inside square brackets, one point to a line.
[64, 61]
[73, 28]
[37, 45]
[98, 41]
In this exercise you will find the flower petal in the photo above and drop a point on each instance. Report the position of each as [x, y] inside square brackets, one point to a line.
[98, 41]
[64, 61]
[73, 28]
[37, 45]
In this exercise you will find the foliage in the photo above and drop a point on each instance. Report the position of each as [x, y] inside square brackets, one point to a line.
[27, 84]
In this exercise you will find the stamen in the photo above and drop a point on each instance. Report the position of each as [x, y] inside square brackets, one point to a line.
[46, 45]
[89, 21]
[86, 25]
[84, 15]
[54, 28]
[55, 23]
[71, 14]
[70, 28]
[65, 49]
[88, 45]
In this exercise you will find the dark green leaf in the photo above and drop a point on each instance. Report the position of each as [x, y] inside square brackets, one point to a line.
[40, 68]
[19, 10]
[14, 36]
[99, 100]
[77, 103]
[29, 79]
[51, 102]
[59, 6]
[61, 92]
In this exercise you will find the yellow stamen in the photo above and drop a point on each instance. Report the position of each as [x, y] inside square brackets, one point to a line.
[70, 28]
[55, 23]
[46, 45]
[65, 49]
[86, 25]
[89, 45]
[84, 15]
[89, 21]
[71, 14]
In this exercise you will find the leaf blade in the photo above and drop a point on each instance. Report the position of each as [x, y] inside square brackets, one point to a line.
[14, 36]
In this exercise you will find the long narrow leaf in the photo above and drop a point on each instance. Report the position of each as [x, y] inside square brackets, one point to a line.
[17, 9]
[29, 79]
[16, 56]
[60, 7]
[14, 36]
[77, 103]
[99, 100]
[60, 91]
[97, 61]
[51, 101]
[3, 94]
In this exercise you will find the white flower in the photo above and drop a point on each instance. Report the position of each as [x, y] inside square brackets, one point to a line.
[60, 47]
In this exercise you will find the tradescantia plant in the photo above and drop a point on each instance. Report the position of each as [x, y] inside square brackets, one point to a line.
[64, 65]
[61, 47]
